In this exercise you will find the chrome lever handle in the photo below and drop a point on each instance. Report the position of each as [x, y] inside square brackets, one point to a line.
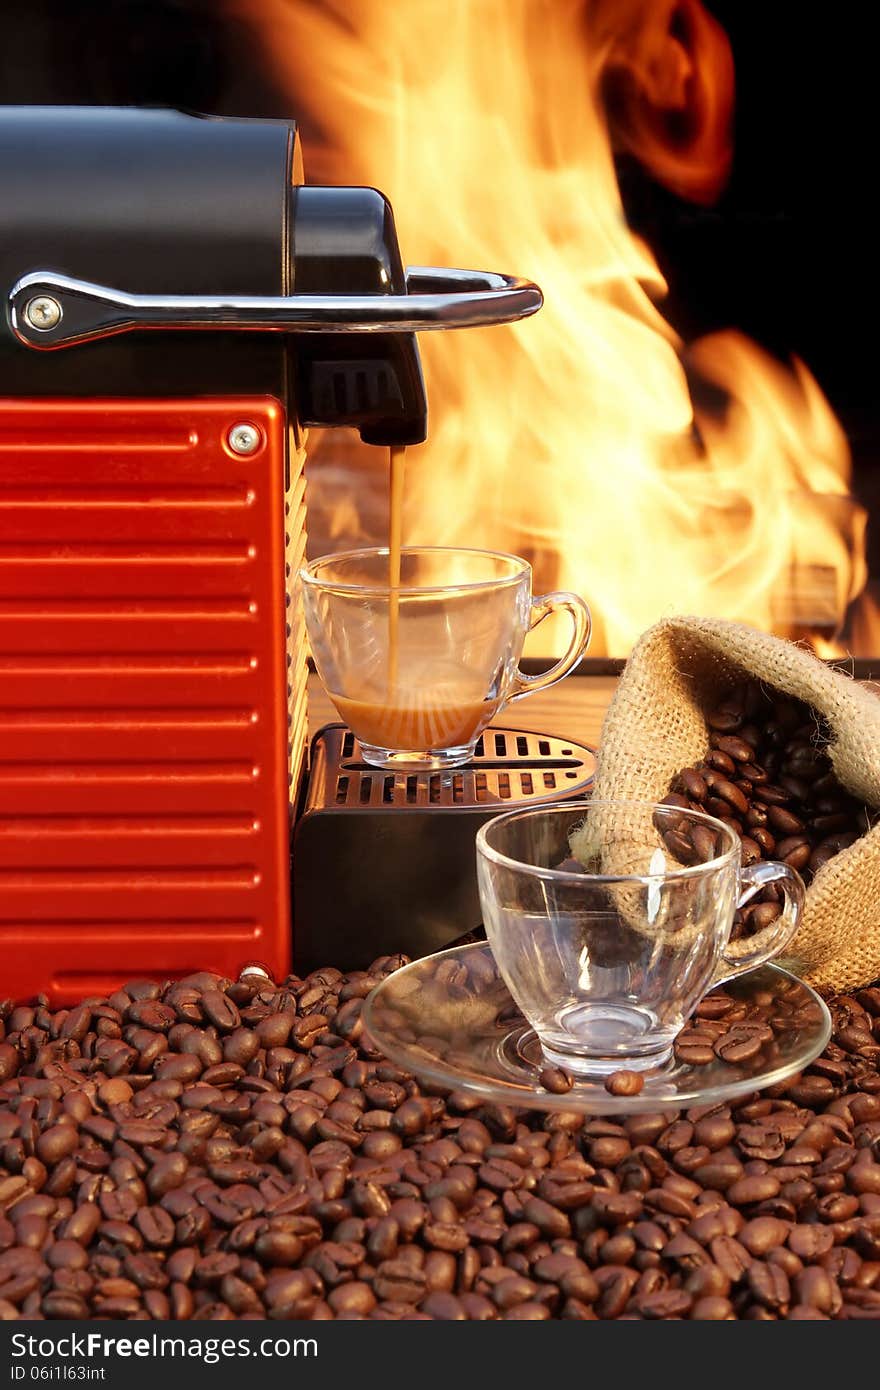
[49, 311]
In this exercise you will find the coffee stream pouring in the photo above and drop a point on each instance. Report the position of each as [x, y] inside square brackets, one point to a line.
[179, 306]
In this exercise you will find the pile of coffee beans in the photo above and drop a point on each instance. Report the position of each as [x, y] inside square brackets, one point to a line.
[768, 776]
[744, 1033]
[218, 1150]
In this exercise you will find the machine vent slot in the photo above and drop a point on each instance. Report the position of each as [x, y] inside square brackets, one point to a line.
[412, 790]
[366, 789]
[550, 780]
[504, 785]
[341, 790]
[500, 746]
[522, 745]
[388, 790]
[479, 750]
[527, 784]
[435, 788]
[544, 748]
[348, 744]
[458, 789]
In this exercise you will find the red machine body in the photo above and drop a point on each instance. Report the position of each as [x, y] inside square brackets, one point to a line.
[144, 679]
[164, 279]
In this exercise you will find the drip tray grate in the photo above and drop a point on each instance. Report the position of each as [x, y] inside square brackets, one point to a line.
[508, 765]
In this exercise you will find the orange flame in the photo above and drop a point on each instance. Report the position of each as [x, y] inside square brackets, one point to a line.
[572, 439]
[668, 86]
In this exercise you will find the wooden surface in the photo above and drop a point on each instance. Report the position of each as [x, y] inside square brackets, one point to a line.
[572, 709]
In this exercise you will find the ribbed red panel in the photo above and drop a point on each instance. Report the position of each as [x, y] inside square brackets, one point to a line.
[143, 693]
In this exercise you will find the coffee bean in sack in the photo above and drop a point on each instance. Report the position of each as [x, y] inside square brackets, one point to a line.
[767, 775]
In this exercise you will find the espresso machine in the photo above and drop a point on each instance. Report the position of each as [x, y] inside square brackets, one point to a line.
[179, 308]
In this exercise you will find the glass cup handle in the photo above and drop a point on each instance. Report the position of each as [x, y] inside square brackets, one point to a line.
[755, 877]
[582, 624]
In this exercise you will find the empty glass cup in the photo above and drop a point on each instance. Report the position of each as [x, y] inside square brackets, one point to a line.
[607, 967]
[418, 670]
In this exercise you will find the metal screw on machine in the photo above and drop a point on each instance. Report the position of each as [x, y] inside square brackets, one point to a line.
[244, 438]
[43, 312]
[254, 971]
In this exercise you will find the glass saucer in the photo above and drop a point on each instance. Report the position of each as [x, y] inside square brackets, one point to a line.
[450, 1020]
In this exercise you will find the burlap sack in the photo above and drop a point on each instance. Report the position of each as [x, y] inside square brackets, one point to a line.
[656, 725]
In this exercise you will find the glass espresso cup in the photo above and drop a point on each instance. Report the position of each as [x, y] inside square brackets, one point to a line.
[607, 968]
[418, 670]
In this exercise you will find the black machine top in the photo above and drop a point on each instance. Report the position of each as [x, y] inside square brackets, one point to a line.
[117, 222]
[150, 201]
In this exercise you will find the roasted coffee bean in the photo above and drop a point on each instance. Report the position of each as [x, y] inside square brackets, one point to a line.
[748, 1191]
[411, 1118]
[664, 1303]
[704, 842]
[752, 773]
[723, 811]
[731, 1257]
[726, 718]
[791, 843]
[735, 748]
[797, 858]
[680, 846]
[764, 915]
[56, 1143]
[60, 1304]
[556, 1080]
[445, 1307]
[400, 1281]
[728, 791]
[739, 1044]
[785, 821]
[764, 840]
[616, 1285]
[715, 1130]
[712, 1308]
[763, 1234]
[693, 784]
[550, 1221]
[768, 1285]
[694, 1053]
[721, 762]
[624, 1083]
[220, 1010]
